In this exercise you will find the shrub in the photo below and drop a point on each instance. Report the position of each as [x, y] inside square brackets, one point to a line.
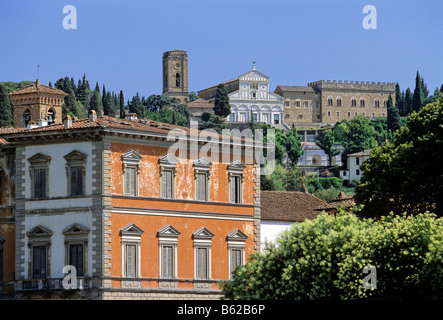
[324, 259]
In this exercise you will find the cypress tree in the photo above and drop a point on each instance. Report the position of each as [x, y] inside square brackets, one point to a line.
[96, 101]
[400, 101]
[6, 112]
[418, 97]
[69, 105]
[393, 120]
[408, 101]
[122, 105]
[109, 107]
[222, 107]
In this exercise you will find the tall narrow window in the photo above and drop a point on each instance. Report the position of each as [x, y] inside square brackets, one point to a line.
[39, 244]
[236, 169]
[76, 258]
[168, 169]
[167, 261]
[330, 101]
[75, 170]
[131, 170]
[167, 241]
[353, 102]
[76, 247]
[338, 102]
[202, 173]
[131, 242]
[236, 249]
[202, 253]
[39, 169]
[362, 102]
[177, 79]
[39, 261]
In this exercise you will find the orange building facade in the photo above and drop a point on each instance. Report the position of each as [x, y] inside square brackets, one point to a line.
[136, 217]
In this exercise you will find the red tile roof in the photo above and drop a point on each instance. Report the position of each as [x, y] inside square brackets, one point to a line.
[200, 103]
[37, 87]
[292, 206]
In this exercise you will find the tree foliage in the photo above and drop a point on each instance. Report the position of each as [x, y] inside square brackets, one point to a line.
[326, 143]
[406, 174]
[393, 120]
[6, 109]
[222, 107]
[293, 146]
[324, 259]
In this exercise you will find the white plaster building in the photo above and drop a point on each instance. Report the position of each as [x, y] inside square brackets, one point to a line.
[250, 98]
[354, 161]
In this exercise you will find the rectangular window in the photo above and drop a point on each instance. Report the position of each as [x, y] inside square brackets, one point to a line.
[202, 187]
[130, 180]
[254, 117]
[168, 177]
[306, 104]
[236, 189]
[349, 114]
[202, 263]
[297, 103]
[167, 262]
[232, 117]
[357, 161]
[236, 258]
[131, 260]
[357, 172]
[338, 113]
[276, 119]
[76, 258]
[39, 183]
[76, 180]
[39, 262]
[254, 86]
[286, 103]
[329, 113]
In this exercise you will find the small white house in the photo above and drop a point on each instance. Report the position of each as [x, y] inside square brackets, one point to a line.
[354, 160]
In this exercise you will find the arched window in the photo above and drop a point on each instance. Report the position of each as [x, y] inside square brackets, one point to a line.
[177, 79]
[353, 102]
[27, 116]
[330, 101]
[51, 116]
[376, 103]
[362, 102]
[339, 102]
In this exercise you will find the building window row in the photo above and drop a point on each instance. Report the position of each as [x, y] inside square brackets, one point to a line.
[75, 164]
[168, 169]
[361, 102]
[168, 243]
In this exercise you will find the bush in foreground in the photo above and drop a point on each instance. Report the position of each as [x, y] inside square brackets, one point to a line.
[324, 259]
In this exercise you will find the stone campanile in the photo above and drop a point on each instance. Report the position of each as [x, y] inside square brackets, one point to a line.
[175, 74]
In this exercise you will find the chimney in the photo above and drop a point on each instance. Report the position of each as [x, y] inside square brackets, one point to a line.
[42, 122]
[92, 116]
[68, 122]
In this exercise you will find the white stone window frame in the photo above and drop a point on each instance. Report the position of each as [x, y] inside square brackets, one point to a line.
[74, 159]
[39, 236]
[338, 101]
[131, 235]
[77, 234]
[202, 166]
[168, 236]
[203, 239]
[131, 159]
[236, 169]
[168, 163]
[236, 240]
[39, 161]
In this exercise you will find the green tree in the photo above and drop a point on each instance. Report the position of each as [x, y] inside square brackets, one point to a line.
[222, 107]
[419, 97]
[68, 106]
[393, 116]
[409, 96]
[6, 109]
[406, 174]
[356, 135]
[293, 146]
[136, 106]
[83, 92]
[109, 106]
[96, 101]
[325, 258]
[212, 121]
[121, 104]
[326, 143]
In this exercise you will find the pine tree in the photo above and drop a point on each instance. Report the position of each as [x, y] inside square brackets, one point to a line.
[109, 106]
[6, 109]
[96, 101]
[417, 100]
[121, 99]
[393, 120]
[222, 107]
[136, 106]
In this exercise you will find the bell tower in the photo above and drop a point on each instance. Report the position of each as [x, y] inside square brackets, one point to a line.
[175, 74]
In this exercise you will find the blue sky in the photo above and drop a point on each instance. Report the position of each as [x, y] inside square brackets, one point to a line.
[120, 43]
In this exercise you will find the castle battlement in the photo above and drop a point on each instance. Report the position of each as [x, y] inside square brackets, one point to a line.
[353, 85]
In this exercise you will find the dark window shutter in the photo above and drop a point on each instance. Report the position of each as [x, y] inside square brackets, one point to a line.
[131, 260]
[202, 263]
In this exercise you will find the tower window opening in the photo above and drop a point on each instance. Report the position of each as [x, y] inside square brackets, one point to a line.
[177, 80]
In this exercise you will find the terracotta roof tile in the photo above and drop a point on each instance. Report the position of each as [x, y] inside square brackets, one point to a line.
[37, 87]
[297, 88]
[289, 205]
